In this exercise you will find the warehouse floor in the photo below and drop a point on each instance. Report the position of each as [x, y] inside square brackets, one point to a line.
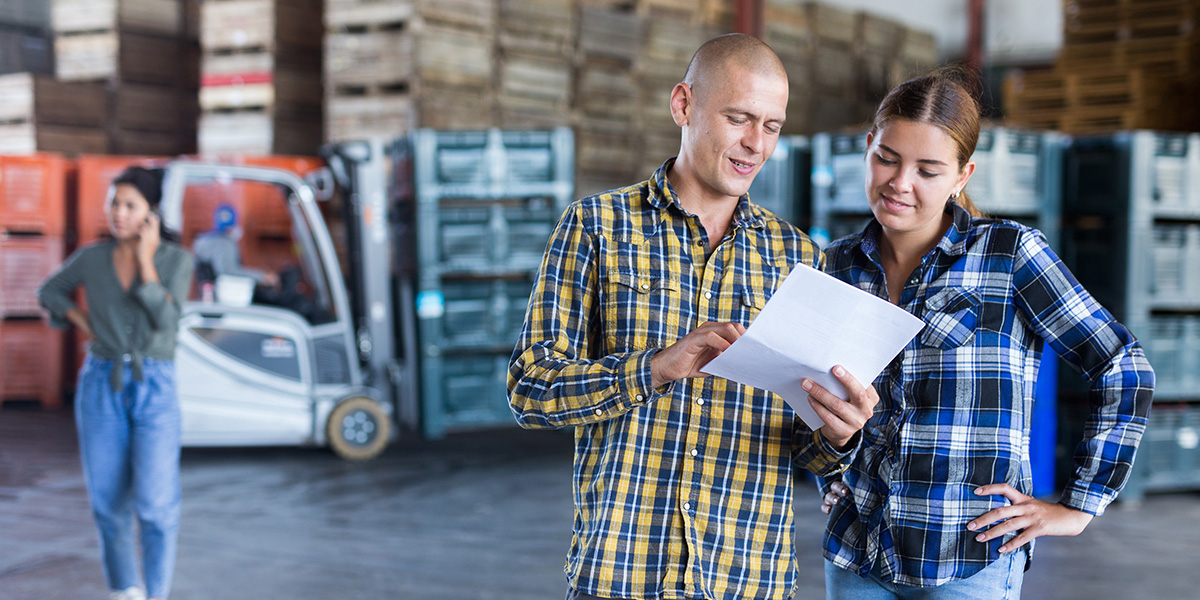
[482, 515]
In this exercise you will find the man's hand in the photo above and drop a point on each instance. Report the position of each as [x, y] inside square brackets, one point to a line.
[690, 353]
[837, 491]
[843, 418]
[1032, 516]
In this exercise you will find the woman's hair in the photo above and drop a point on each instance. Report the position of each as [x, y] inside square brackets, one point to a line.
[940, 98]
[148, 183]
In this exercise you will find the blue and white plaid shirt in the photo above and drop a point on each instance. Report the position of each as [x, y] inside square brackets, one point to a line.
[956, 404]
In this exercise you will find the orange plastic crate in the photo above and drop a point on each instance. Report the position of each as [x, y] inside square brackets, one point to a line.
[25, 261]
[32, 194]
[95, 174]
[31, 357]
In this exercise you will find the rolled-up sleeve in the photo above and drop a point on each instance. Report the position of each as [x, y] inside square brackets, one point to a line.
[554, 380]
[1120, 379]
[55, 292]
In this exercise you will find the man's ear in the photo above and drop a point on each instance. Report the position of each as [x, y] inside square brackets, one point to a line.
[681, 104]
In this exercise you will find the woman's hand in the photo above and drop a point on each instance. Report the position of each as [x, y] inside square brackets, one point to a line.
[148, 238]
[79, 319]
[843, 417]
[147, 245]
[1031, 516]
[837, 491]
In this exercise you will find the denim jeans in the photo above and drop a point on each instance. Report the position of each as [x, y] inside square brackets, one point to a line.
[129, 445]
[1000, 580]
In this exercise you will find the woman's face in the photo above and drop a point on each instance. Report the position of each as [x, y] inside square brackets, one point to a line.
[127, 211]
[912, 169]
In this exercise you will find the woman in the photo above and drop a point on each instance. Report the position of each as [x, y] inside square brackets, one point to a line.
[936, 502]
[126, 409]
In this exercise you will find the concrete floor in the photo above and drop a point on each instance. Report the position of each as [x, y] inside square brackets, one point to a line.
[473, 516]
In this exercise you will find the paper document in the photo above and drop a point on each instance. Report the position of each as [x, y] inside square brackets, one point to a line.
[811, 323]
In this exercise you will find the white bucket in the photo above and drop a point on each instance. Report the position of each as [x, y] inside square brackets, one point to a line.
[235, 290]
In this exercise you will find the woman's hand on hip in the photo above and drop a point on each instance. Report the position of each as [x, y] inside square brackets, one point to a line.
[1032, 517]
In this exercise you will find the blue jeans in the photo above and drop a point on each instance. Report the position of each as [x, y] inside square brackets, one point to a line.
[1000, 580]
[129, 445]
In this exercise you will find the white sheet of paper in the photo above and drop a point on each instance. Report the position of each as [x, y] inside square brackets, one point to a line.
[811, 323]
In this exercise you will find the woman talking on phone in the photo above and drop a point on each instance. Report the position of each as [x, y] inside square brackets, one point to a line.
[126, 409]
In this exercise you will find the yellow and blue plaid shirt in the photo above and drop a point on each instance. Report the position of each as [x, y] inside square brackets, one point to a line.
[684, 491]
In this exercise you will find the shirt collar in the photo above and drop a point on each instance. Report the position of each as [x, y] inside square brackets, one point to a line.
[953, 243]
[663, 196]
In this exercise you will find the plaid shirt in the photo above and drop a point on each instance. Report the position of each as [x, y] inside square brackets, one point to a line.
[955, 406]
[684, 491]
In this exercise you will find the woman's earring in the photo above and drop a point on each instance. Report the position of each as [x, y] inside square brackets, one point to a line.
[954, 196]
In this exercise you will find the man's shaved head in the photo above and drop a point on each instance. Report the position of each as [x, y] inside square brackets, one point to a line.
[710, 64]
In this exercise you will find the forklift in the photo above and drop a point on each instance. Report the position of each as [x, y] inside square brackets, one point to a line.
[319, 370]
[403, 333]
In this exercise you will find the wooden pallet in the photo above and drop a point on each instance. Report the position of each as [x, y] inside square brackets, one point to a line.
[363, 58]
[269, 25]
[164, 17]
[536, 26]
[343, 15]
[1121, 21]
[612, 36]
[1172, 55]
[1097, 101]
[125, 56]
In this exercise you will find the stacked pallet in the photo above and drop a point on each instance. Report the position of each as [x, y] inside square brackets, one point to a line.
[392, 66]
[26, 41]
[672, 36]
[534, 78]
[38, 112]
[140, 49]
[607, 98]
[1124, 65]
[32, 228]
[261, 76]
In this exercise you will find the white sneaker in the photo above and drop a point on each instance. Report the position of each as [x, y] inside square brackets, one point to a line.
[130, 593]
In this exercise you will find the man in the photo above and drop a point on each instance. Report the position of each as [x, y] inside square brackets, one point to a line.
[217, 249]
[682, 482]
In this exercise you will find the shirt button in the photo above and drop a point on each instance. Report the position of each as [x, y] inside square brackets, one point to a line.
[699, 401]
[638, 397]
[687, 506]
[699, 242]
[914, 281]
[695, 452]
[645, 286]
[599, 412]
[708, 295]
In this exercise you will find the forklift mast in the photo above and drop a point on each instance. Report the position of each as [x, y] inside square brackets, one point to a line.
[376, 196]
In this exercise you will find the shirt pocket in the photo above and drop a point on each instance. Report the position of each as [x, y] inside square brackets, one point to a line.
[641, 309]
[951, 317]
[748, 302]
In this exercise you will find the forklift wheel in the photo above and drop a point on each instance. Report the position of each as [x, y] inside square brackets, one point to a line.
[357, 429]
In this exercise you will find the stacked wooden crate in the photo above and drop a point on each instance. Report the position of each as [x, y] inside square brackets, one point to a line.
[38, 112]
[607, 97]
[32, 234]
[140, 49]
[1124, 65]
[26, 40]
[534, 75]
[672, 36]
[391, 66]
[261, 76]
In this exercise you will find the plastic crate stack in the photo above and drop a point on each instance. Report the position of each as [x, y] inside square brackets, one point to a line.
[1124, 64]
[486, 205]
[1017, 176]
[144, 53]
[32, 244]
[1132, 206]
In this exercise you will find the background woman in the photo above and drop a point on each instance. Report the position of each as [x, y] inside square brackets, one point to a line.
[936, 503]
[126, 409]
